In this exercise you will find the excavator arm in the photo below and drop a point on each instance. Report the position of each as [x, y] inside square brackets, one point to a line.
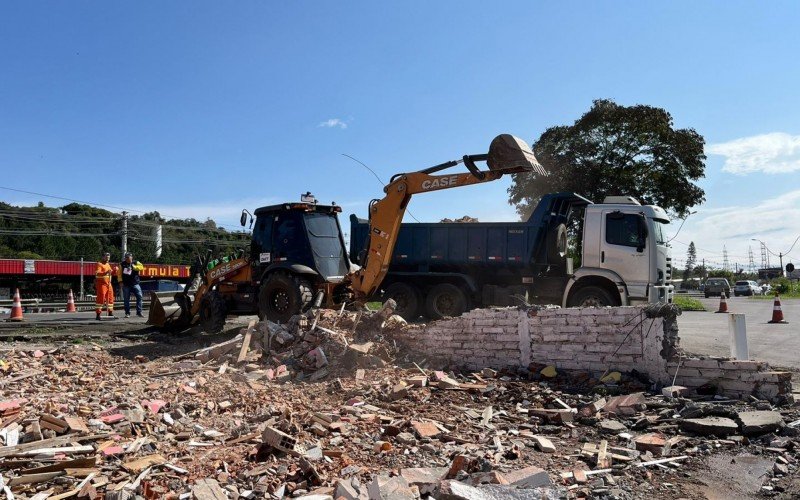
[507, 155]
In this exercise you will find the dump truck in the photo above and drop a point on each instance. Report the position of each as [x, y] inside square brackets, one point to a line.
[298, 257]
[444, 269]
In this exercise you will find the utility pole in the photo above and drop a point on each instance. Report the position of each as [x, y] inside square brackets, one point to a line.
[81, 278]
[124, 234]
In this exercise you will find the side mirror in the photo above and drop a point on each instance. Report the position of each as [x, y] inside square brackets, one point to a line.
[243, 218]
[641, 242]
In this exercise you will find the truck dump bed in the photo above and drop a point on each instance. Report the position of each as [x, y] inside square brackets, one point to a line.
[513, 247]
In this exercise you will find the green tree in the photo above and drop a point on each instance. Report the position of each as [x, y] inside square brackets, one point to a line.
[691, 259]
[617, 150]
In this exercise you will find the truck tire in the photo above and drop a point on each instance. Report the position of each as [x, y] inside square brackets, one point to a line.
[282, 296]
[407, 297]
[557, 245]
[445, 299]
[592, 296]
[212, 312]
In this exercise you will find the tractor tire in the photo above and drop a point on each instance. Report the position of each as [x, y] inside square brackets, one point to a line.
[592, 296]
[212, 313]
[408, 299]
[445, 299]
[282, 296]
[557, 245]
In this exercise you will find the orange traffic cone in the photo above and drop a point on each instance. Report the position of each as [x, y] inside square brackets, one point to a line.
[723, 304]
[71, 302]
[16, 309]
[777, 313]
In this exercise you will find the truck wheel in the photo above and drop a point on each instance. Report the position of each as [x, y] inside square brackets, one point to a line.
[407, 297]
[445, 300]
[212, 312]
[592, 296]
[283, 296]
[557, 244]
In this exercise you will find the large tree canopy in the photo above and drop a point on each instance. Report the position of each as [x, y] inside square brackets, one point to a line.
[617, 150]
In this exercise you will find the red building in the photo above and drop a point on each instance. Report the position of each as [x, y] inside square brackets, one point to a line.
[53, 277]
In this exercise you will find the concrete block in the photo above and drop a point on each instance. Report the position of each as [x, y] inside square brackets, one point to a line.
[529, 477]
[706, 363]
[497, 330]
[693, 382]
[759, 422]
[426, 479]
[555, 322]
[747, 365]
[715, 426]
[772, 376]
[736, 385]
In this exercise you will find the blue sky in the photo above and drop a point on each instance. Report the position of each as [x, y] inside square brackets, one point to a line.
[198, 109]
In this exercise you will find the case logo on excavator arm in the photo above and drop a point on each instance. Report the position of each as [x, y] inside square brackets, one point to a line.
[440, 182]
[225, 269]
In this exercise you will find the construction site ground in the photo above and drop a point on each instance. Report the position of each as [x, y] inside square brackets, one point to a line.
[161, 421]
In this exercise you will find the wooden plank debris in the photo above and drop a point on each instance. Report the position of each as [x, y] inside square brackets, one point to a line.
[246, 342]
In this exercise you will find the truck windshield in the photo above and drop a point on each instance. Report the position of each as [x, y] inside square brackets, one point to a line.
[660, 232]
[323, 234]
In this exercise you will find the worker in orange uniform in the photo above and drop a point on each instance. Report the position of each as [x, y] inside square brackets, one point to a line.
[103, 288]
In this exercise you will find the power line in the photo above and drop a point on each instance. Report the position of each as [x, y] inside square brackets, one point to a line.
[43, 232]
[376, 176]
[90, 203]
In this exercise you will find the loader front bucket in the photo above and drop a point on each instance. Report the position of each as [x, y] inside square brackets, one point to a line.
[166, 310]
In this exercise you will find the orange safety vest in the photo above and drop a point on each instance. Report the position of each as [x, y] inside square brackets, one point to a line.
[103, 272]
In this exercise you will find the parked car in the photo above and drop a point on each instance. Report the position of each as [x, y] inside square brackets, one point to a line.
[745, 287]
[717, 286]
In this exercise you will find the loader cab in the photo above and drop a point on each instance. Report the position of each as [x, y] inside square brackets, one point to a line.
[304, 238]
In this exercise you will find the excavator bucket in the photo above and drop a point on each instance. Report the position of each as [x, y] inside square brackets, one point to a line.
[166, 309]
[511, 154]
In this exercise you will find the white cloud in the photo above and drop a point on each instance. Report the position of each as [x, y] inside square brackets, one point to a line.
[776, 221]
[333, 123]
[774, 153]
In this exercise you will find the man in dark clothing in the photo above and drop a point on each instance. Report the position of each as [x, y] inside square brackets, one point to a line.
[128, 274]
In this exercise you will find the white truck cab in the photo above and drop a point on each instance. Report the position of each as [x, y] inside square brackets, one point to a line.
[624, 248]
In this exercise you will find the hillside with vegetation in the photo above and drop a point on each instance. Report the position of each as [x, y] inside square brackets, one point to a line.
[76, 230]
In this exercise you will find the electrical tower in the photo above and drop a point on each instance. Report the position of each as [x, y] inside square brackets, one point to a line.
[764, 256]
[752, 266]
[725, 264]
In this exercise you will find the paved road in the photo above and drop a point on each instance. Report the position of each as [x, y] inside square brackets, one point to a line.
[67, 319]
[707, 332]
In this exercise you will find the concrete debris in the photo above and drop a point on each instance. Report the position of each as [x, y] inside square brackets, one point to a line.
[755, 423]
[612, 426]
[675, 391]
[710, 426]
[327, 406]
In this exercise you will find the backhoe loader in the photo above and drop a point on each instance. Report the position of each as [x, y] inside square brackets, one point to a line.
[298, 253]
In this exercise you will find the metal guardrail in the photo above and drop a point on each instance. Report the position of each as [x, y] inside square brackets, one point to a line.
[35, 306]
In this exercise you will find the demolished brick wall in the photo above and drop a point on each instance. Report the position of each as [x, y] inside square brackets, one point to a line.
[587, 339]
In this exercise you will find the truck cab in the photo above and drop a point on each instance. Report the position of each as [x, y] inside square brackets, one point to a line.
[625, 255]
